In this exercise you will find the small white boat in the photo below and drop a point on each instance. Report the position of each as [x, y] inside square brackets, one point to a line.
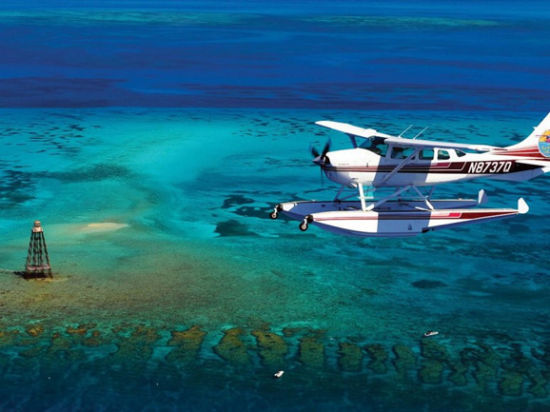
[278, 374]
[430, 333]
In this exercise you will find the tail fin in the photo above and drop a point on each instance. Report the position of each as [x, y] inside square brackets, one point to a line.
[538, 141]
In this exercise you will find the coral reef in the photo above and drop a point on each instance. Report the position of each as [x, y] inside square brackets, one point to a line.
[404, 359]
[272, 348]
[458, 372]
[350, 358]
[431, 371]
[378, 357]
[485, 362]
[432, 350]
[511, 383]
[94, 340]
[312, 352]
[187, 345]
[232, 349]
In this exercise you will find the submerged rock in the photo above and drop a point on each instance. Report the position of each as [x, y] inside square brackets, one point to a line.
[312, 352]
[272, 348]
[378, 357]
[232, 349]
[35, 330]
[351, 357]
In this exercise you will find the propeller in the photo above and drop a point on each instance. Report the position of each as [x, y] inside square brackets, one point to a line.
[321, 159]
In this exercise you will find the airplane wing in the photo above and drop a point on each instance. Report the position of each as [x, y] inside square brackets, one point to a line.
[399, 141]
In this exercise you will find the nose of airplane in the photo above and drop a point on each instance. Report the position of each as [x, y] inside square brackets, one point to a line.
[321, 160]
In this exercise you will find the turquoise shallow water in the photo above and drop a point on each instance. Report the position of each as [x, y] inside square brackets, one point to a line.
[173, 290]
[157, 221]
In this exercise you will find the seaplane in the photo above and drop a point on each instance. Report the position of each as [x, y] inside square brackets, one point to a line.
[409, 166]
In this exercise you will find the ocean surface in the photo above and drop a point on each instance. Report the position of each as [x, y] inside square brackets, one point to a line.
[152, 143]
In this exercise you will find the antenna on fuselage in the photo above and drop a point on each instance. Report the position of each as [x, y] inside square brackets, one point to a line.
[419, 133]
[405, 131]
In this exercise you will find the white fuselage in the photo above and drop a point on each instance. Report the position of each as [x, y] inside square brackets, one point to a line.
[425, 168]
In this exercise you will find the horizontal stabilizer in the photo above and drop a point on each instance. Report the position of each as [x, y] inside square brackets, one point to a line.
[523, 207]
[482, 197]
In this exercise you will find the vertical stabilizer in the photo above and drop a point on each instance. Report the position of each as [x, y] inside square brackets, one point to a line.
[536, 145]
[541, 133]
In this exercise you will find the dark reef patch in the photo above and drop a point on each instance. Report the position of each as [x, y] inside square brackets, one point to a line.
[250, 211]
[100, 171]
[233, 228]
[15, 187]
[233, 200]
[428, 284]
[516, 228]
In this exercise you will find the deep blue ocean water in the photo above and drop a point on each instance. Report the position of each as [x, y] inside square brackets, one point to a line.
[152, 143]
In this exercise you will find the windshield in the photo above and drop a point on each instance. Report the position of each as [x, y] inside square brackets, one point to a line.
[375, 145]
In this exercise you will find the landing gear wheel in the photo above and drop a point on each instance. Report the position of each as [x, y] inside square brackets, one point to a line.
[274, 215]
[304, 225]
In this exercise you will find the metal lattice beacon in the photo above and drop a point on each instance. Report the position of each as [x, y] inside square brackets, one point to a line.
[38, 261]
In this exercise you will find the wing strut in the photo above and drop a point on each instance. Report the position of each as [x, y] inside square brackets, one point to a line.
[398, 167]
[385, 199]
[425, 198]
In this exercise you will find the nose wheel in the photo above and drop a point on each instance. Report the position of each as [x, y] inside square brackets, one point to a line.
[275, 214]
[304, 224]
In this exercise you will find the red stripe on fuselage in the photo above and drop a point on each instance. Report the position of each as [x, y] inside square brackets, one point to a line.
[462, 215]
[438, 168]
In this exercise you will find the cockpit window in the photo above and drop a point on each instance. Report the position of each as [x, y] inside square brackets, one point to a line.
[443, 155]
[375, 145]
[426, 154]
[401, 152]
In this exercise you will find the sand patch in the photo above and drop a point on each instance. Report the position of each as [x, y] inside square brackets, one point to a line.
[102, 227]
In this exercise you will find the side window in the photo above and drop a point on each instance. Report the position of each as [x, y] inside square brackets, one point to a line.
[380, 149]
[401, 152]
[426, 154]
[460, 153]
[443, 155]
